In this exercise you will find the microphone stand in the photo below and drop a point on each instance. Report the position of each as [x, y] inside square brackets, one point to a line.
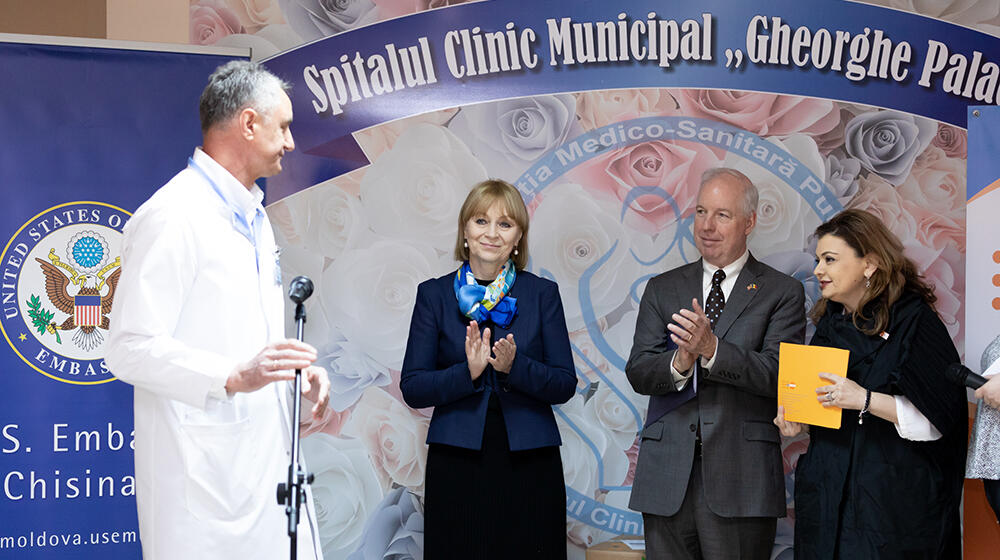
[292, 493]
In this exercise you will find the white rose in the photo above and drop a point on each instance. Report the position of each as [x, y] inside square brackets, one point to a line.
[842, 175]
[586, 356]
[673, 246]
[346, 490]
[570, 233]
[620, 335]
[395, 439]
[368, 294]
[416, 189]
[295, 260]
[784, 219]
[351, 371]
[983, 15]
[315, 19]
[328, 219]
[615, 407]
[509, 135]
[580, 464]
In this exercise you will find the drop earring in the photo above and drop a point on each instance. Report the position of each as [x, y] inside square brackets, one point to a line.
[466, 243]
[515, 251]
[868, 282]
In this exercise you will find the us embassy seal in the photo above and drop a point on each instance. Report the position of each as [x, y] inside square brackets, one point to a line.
[60, 270]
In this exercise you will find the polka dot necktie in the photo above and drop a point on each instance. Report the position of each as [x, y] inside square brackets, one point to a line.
[716, 301]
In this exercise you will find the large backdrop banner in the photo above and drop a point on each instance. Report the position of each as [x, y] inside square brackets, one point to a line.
[86, 134]
[604, 115]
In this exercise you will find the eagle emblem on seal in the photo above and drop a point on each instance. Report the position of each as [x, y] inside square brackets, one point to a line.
[84, 290]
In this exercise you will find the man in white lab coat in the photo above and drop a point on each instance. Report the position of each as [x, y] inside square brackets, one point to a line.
[198, 330]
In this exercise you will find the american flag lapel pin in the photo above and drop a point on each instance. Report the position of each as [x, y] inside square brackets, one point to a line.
[751, 287]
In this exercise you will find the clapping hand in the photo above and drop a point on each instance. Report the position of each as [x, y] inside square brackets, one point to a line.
[477, 349]
[504, 350]
[691, 331]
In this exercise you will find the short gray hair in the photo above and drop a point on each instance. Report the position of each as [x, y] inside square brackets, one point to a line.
[750, 195]
[234, 86]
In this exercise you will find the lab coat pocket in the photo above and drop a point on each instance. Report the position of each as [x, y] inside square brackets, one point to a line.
[216, 458]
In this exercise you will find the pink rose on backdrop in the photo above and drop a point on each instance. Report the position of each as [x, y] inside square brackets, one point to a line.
[792, 450]
[394, 8]
[947, 274]
[888, 142]
[764, 114]
[331, 422]
[933, 241]
[937, 183]
[378, 139]
[601, 108]
[256, 14]
[394, 438]
[877, 196]
[586, 356]
[675, 166]
[393, 389]
[211, 20]
[633, 458]
[953, 140]
[945, 234]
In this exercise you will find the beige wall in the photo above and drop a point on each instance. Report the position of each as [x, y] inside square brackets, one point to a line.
[162, 21]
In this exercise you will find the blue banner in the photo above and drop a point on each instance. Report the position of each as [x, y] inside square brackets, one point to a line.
[501, 49]
[87, 134]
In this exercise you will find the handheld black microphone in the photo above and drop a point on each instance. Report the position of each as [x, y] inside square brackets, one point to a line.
[957, 373]
[300, 289]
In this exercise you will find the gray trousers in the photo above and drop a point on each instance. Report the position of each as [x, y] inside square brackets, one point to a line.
[696, 533]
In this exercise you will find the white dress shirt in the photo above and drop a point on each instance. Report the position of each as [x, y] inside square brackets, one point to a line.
[193, 302]
[732, 271]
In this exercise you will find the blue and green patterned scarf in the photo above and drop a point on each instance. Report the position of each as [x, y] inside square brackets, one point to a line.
[487, 302]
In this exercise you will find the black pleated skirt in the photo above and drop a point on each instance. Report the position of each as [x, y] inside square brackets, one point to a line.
[494, 502]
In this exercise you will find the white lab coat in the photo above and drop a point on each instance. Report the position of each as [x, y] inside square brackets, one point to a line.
[191, 304]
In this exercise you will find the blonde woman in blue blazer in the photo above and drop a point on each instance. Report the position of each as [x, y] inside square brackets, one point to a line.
[489, 350]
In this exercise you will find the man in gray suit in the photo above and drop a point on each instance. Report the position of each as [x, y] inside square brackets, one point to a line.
[709, 475]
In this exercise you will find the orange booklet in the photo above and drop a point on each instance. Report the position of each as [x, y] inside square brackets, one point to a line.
[799, 367]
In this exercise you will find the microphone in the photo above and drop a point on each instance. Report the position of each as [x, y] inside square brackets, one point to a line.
[300, 289]
[957, 373]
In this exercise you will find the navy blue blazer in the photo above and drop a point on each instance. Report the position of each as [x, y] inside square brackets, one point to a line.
[436, 372]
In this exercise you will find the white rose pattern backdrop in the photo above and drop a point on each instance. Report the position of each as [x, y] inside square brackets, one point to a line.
[600, 228]
[596, 232]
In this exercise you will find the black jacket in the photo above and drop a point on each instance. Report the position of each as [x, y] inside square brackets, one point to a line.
[880, 495]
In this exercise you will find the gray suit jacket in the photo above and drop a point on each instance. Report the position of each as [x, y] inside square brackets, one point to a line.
[736, 400]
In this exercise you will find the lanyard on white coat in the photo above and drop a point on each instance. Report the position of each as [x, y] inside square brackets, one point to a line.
[250, 230]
